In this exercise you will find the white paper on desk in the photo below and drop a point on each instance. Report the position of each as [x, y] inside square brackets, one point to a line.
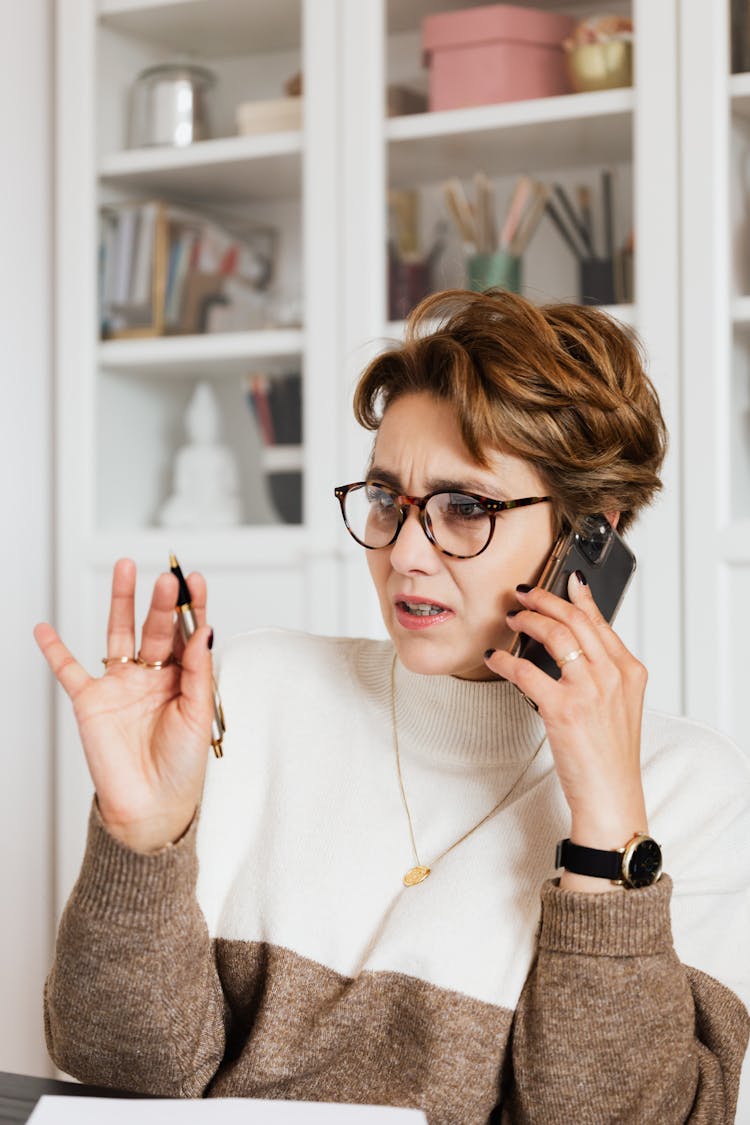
[54, 1110]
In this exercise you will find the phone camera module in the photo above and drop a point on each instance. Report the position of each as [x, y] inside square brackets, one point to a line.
[594, 538]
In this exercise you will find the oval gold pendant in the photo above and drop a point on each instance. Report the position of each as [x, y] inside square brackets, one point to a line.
[416, 875]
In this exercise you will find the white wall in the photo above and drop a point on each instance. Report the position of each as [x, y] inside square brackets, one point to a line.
[25, 556]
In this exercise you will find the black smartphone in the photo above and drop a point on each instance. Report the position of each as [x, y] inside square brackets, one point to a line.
[608, 565]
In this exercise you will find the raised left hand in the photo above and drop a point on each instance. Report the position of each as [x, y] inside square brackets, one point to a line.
[592, 713]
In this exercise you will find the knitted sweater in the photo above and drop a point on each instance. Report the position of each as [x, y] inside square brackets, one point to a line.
[274, 952]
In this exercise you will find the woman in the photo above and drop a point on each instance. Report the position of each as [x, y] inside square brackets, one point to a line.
[377, 915]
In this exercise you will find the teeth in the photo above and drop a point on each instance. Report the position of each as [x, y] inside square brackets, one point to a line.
[423, 609]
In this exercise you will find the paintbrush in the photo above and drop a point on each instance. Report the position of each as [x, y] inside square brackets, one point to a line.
[584, 203]
[573, 219]
[461, 213]
[609, 241]
[564, 232]
[485, 213]
[521, 193]
[530, 219]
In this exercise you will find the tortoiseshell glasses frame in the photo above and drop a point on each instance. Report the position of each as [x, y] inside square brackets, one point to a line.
[402, 502]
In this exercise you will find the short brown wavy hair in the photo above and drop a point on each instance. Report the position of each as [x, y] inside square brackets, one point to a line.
[561, 385]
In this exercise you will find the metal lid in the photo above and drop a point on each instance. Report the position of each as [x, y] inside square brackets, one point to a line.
[176, 71]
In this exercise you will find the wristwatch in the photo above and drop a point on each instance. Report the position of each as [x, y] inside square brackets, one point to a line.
[638, 864]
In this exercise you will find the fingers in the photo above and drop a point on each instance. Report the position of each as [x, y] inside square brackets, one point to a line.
[561, 627]
[196, 683]
[68, 672]
[580, 595]
[197, 587]
[565, 629]
[529, 679]
[121, 625]
[157, 637]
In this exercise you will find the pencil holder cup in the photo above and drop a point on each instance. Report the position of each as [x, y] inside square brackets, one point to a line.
[498, 270]
[408, 283]
[623, 271]
[597, 281]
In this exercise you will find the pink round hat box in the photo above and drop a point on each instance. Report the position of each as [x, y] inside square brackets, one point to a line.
[496, 53]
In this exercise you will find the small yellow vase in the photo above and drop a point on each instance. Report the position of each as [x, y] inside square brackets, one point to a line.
[601, 66]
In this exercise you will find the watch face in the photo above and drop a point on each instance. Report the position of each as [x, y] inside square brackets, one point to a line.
[644, 865]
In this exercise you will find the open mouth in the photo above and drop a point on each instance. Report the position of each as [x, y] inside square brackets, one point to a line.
[421, 609]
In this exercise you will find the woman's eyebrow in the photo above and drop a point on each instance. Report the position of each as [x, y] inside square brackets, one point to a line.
[438, 484]
[374, 472]
[434, 484]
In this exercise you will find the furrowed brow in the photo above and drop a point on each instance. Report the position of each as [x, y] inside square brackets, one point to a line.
[434, 484]
[384, 477]
[439, 484]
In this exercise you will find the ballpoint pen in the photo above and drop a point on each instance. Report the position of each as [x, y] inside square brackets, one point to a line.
[188, 625]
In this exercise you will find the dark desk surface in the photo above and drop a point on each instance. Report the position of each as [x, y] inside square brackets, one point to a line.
[19, 1093]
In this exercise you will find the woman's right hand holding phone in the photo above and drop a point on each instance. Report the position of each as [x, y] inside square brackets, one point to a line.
[146, 732]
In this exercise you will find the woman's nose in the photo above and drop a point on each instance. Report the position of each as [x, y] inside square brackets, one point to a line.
[412, 549]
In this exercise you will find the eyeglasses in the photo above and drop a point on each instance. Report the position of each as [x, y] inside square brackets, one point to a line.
[460, 524]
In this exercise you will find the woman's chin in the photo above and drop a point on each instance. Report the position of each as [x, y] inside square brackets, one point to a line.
[434, 660]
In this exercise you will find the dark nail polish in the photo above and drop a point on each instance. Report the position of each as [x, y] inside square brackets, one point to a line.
[581, 577]
[489, 653]
[524, 589]
[512, 612]
[211, 639]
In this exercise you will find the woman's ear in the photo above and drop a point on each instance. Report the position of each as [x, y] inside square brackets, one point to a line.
[613, 517]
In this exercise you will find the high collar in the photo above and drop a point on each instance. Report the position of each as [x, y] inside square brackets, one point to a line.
[474, 722]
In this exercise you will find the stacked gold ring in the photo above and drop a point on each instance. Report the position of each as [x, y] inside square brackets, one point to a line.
[157, 664]
[570, 657]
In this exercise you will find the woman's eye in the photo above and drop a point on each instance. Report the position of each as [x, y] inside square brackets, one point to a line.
[379, 499]
[463, 507]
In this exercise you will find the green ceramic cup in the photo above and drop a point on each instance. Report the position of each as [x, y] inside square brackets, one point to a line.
[501, 269]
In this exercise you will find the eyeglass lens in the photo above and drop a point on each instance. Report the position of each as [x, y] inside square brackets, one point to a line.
[459, 524]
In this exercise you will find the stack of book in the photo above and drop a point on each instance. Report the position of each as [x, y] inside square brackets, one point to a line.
[162, 267]
[276, 405]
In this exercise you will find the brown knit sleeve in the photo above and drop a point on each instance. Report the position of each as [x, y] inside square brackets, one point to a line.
[133, 999]
[611, 1026]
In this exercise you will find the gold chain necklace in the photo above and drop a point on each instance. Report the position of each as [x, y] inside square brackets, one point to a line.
[418, 873]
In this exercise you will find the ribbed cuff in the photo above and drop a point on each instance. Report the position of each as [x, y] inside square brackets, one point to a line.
[630, 923]
[130, 888]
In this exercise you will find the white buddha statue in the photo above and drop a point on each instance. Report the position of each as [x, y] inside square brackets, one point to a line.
[205, 472]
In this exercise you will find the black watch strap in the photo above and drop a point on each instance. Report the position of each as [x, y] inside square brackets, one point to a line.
[588, 861]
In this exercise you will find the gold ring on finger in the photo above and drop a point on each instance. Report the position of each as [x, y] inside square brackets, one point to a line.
[570, 657]
[107, 660]
[158, 664]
